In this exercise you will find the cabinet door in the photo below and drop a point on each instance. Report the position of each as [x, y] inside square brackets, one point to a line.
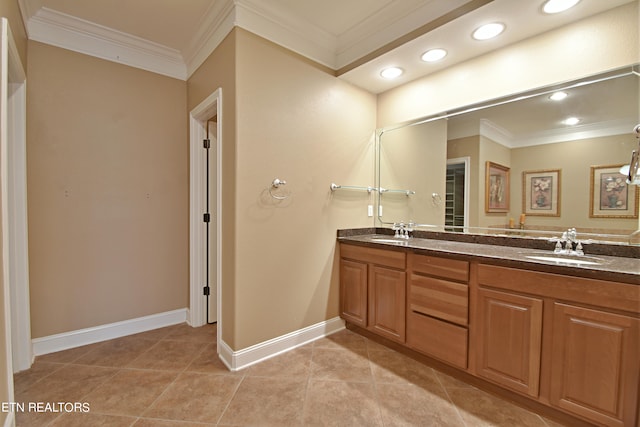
[387, 293]
[509, 340]
[353, 292]
[595, 360]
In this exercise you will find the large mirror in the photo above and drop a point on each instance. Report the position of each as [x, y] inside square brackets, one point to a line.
[517, 166]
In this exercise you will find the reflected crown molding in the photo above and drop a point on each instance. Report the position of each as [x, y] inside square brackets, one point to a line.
[496, 133]
[502, 136]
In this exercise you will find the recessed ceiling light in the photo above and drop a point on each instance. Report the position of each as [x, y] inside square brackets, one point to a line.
[488, 31]
[391, 72]
[557, 6]
[433, 55]
[571, 121]
[558, 96]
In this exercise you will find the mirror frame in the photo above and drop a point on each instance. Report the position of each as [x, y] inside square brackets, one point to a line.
[630, 239]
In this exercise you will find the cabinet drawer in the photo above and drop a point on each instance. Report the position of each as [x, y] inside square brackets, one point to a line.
[384, 257]
[439, 298]
[441, 267]
[601, 293]
[436, 338]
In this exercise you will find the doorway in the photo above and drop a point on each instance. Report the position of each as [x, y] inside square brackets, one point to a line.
[205, 269]
[14, 205]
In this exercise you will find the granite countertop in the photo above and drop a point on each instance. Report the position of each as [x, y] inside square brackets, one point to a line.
[613, 268]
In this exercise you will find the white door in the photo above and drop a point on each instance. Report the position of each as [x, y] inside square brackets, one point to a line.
[212, 128]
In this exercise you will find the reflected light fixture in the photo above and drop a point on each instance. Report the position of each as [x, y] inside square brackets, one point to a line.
[391, 72]
[632, 170]
[558, 96]
[557, 6]
[433, 55]
[571, 121]
[488, 31]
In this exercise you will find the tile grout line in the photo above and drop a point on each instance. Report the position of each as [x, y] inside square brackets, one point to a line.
[226, 407]
[374, 381]
[446, 392]
[178, 372]
[161, 394]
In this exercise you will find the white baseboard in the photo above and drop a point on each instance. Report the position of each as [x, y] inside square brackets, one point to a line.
[67, 340]
[10, 421]
[236, 360]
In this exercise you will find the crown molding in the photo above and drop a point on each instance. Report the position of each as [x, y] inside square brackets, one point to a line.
[390, 23]
[287, 30]
[265, 19]
[68, 32]
[28, 8]
[217, 22]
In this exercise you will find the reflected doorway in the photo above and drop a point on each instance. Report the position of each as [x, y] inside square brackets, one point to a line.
[456, 217]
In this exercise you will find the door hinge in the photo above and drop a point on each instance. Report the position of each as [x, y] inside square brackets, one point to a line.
[206, 143]
[206, 290]
[207, 217]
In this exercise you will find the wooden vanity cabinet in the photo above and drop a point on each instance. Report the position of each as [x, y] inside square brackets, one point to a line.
[570, 343]
[373, 289]
[589, 363]
[438, 307]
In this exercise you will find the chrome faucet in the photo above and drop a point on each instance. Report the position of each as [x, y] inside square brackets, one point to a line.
[569, 238]
[403, 230]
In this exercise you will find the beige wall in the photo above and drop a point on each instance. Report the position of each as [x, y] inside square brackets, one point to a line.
[293, 121]
[575, 178]
[600, 43]
[414, 158]
[107, 191]
[219, 71]
[297, 123]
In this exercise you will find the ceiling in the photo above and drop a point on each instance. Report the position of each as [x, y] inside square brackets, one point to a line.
[354, 37]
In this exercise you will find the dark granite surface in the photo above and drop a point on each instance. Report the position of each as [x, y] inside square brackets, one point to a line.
[616, 268]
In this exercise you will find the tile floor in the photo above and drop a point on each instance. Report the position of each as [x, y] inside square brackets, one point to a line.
[171, 377]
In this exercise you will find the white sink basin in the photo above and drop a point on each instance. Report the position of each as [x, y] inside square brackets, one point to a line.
[383, 240]
[564, 259]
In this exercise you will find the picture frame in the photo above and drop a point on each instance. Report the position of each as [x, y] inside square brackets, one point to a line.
[497, 188]
[541, 192]
[610, 195]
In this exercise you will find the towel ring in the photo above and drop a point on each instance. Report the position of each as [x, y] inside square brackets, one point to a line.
[275, 184]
